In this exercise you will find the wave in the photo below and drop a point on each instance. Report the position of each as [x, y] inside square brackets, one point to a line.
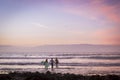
[66, 57]
[68, 64]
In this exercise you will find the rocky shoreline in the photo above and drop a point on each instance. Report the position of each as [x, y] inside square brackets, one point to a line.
[54, 76]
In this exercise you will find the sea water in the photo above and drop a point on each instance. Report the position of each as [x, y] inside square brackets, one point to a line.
[77, 63]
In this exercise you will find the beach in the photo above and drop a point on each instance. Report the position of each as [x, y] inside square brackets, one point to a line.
[55, 76]
[73, 63]
[59, 39]
[22, 65]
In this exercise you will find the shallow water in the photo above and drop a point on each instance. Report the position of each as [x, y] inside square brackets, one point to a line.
[94, 63]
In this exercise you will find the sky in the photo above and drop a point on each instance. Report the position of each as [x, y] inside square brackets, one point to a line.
[44, 22]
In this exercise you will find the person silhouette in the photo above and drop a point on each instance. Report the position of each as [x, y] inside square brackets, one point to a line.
[46, 64]
[56, 62]
[52, 63]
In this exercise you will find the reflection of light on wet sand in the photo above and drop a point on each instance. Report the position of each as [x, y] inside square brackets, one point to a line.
[4, 72]
[20, 66]
[63, 69]
[87, 61]
[106, 68]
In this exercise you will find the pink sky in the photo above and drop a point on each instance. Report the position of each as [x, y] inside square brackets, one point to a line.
[40, 22]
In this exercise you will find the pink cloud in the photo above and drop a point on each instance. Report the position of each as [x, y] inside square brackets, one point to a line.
[109, 35]
[109, 12]
[92, 9]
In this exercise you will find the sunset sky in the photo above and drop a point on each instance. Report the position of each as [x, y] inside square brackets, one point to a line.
[43, 22]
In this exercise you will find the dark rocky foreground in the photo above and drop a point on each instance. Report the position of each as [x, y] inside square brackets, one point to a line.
[54, 76]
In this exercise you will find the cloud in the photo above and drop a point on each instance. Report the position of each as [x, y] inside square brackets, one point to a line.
[39, 25]
[111, 12]
[93, 9]
[108, 35]
[102, 11]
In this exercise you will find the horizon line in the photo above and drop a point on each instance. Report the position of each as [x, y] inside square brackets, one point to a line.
[58, 45]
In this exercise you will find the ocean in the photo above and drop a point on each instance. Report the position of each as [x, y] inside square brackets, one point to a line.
[85, 63]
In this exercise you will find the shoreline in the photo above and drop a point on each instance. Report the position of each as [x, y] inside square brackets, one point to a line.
[55, 71]
[54, 76]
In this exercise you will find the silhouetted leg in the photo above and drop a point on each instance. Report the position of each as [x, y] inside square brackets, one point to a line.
[52, 67]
